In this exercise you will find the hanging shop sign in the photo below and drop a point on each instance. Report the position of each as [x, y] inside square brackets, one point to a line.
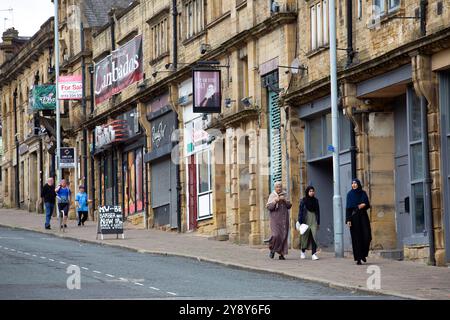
[43, 97]
[70, 87]
[67, 158]
[207, 91]
[115, 131]
[119, 70]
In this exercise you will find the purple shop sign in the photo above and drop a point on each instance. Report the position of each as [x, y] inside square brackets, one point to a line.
[207, 91]
[119, 70]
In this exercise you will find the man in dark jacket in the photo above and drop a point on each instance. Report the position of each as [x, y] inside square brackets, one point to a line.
[48, 194]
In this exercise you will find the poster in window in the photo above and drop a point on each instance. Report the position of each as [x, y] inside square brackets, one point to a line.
[132, 179]
[125, 185]
[207, 91]
[139, 180]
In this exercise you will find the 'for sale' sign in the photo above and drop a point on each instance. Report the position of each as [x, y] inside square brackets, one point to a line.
[70, 87]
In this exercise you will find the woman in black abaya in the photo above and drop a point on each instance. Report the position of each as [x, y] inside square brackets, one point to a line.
[358, 221]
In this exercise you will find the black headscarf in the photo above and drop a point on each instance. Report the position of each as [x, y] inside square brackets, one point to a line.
[356, 196]
[311, 203]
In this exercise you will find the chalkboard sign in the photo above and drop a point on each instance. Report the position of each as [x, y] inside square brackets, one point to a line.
[110, 220]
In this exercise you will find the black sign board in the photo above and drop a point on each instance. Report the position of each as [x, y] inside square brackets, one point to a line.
[110, 220]
[67, 157]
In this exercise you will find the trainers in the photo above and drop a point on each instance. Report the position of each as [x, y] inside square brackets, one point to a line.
[65, 226]
[314, 257]
[48, 228]
[302, 255]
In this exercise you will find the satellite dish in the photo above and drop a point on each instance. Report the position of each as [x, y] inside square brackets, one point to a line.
[295, 64]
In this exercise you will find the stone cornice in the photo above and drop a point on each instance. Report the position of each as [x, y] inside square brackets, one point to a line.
[233, 120]
[370, 68]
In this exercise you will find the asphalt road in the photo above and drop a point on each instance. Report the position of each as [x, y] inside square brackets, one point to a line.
[39, 266]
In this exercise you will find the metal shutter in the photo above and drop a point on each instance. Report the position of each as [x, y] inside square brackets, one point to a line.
[275, 138]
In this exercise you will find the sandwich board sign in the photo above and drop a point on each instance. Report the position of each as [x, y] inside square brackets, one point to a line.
[110, 221]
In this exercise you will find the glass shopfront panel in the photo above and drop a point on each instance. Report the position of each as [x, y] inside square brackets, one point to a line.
[133, 181]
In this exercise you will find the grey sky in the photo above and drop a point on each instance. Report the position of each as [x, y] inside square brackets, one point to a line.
[28, 15]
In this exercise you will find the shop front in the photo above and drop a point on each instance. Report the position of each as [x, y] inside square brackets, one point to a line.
[197, 160]
[163, 171]
[319, 163]
[119, 150]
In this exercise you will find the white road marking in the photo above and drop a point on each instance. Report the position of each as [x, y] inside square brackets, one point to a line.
[51, 260]
[174, 294]
[84, 268]
[62, 262]
[19, 251]
[139, 284]
[155, 288]
[34, 255]
[123, 279]
[95, 271]
[27, 254]
[109, 275]
[13, 250]
[6, 248]
[43, 258]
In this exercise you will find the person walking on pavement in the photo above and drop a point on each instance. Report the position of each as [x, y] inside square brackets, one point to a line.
[82, 206]
[278, 206]
[63, 194]
[358, 221]
[309, 214]
[48, 195]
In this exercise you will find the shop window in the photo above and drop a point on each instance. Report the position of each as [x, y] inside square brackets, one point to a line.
[419, 215]
[320, 135]
[133, 181]
[319, 24]
[416, 107]
[204, 185]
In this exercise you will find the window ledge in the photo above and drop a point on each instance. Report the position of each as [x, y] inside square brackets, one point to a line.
[205, 218]
[241, 5]
[218, 20]
[317, 51]
[159, 58]
[385, 17]
[194, 37]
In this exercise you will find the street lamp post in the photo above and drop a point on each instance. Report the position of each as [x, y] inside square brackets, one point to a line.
[337, 199]
[58, 125]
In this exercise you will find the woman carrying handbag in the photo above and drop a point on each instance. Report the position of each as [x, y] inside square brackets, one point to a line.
[309, 214]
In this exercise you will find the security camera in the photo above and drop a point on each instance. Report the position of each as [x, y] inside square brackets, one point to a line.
[154, 74]
[246, 102]
[204, 47]
[367, 101]
[167, 66]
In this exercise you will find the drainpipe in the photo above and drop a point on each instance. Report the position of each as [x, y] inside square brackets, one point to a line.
[83, 105]
[353, 150]
[16, 139]
[177, 125]
[350, 53]
[91, 80]
[428, 181]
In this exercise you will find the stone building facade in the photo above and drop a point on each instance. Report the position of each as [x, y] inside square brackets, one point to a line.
[392, 96]
[275, 121]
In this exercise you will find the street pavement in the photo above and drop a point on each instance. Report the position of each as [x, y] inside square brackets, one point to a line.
[397, 278]
[35, 266]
